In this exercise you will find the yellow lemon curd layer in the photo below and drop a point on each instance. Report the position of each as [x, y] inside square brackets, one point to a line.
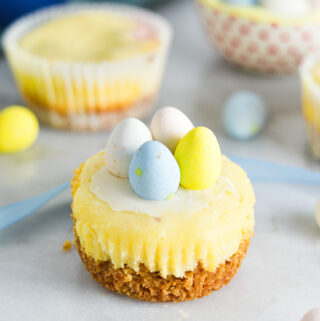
[89, 37]
[172, 244]
[261, 14]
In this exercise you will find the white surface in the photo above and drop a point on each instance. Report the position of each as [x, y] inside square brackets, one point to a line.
[278, 281]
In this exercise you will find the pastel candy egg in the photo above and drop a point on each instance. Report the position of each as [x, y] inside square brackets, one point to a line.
[154, 173]
[241, 2]
[19, 129]
[124, 140]
[169, 125]
[244, 115]
[317, 216]
[199, 157]
[313, 315]
[287, 7]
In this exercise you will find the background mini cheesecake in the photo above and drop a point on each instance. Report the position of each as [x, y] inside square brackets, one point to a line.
[86, 67]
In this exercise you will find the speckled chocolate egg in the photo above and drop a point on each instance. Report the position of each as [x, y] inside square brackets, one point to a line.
[313, 315]
[19, 129]
[244, 115]
[169, 125]
[199, 157]
[124, 140]
[154, 173]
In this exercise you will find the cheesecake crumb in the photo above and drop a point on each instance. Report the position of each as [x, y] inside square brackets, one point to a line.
[67, 246]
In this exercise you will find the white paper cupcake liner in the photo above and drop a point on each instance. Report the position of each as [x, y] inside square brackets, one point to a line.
[87, 96]
[311, 103]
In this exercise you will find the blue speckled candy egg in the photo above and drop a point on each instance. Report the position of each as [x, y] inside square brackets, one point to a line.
[241, 2]
[154, 173]
[244, 115]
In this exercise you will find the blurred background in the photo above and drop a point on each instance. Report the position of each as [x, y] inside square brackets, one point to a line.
[11, 10]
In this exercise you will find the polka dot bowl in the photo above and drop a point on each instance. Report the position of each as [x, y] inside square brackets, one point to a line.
[260, 40]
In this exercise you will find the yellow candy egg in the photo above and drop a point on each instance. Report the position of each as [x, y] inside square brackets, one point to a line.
[19, 129]
[199, 157]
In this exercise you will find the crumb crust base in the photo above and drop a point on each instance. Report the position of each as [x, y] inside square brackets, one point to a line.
[152, 287]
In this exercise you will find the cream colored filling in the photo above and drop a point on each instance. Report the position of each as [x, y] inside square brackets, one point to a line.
[90, 37]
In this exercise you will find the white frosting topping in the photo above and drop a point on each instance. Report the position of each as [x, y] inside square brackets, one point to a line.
[118, 193]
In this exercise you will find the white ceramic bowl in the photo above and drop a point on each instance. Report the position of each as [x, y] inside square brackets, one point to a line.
[260, 40]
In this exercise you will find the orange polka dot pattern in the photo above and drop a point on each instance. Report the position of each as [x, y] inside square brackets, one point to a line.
[269, 48]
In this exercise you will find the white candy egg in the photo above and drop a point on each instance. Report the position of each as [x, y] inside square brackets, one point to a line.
[288, 7]
[124, 140]
[169, 125]
[313, 315]
[318, 214]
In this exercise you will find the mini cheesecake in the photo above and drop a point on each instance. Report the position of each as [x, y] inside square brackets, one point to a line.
[172, 250]
[88, 66]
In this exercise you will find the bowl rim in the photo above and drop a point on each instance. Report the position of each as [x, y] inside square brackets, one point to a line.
[20, 27]
[260, 15]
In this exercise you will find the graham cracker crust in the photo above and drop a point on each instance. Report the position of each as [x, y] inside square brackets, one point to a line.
[152, 287]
